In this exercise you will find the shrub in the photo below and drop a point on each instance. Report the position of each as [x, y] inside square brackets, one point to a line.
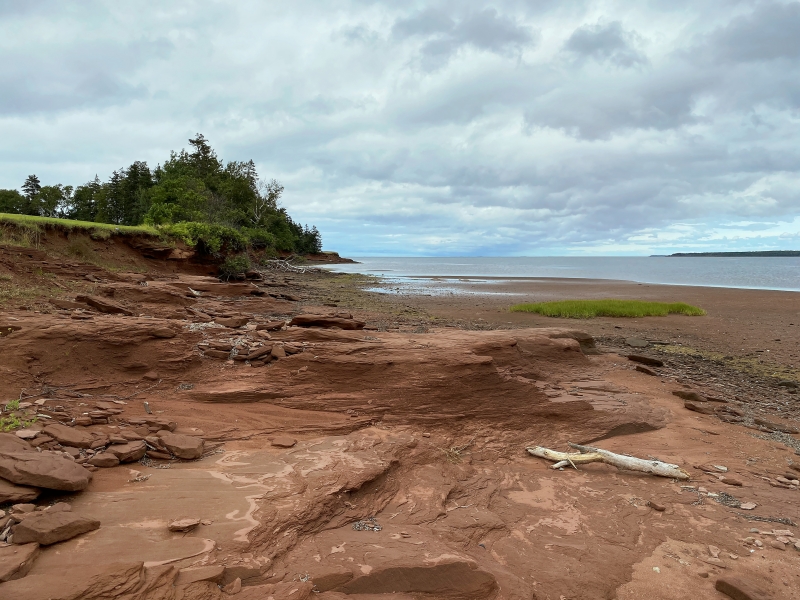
[207, 238]
[234, 266]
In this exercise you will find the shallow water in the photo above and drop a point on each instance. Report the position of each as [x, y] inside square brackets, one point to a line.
[769, 273]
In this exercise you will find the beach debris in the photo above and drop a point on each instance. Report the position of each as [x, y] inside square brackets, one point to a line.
[369, 524]
[589, 454]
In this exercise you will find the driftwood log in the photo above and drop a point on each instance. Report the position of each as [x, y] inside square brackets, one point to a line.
[588, 454]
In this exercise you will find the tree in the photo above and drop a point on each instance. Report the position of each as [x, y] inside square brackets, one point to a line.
[85, 200]
[31, 187]
[11, 201]
[265, 201]
[54, 200]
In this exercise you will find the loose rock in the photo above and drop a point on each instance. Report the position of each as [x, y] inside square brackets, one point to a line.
[183, 446]
[130, 452]
[43, 470]
[104, 460]
[184, 525]
[69, 436]
[48, 527]
[283, 442]
[326, 321]
[645, 360]
[16, 493]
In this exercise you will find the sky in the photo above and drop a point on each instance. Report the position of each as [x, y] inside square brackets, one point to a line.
[441, 128]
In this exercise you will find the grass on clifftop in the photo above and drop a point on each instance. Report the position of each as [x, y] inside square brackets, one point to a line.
[588, 309]
[69, 224]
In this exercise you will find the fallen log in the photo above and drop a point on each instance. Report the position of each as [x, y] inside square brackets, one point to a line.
[588, 454]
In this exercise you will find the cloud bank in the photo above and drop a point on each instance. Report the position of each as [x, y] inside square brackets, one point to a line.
[438, 128]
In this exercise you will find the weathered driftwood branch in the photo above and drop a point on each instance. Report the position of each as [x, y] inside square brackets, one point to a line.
[588, 454]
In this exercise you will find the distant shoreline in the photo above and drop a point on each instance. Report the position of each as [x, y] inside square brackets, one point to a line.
[737, 254]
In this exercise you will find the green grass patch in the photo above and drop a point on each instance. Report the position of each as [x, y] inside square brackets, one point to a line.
[69, 224]
[588, 309]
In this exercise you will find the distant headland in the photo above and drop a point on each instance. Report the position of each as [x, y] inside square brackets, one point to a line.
[733, 254]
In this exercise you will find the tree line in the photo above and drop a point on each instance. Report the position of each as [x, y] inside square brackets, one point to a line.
[193, 193]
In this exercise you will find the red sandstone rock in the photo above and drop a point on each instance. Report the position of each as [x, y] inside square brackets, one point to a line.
[270, 326]
[283, 441]
[184, 525]
[104, 305]
[183, 446]
[130, 452]
[104, 460]
[76, 437]
[48, 527]
[16, 561]
[326, 321]
[191, 575]
[43, 470]
[739, 589]
[16, 493]
[232, 322]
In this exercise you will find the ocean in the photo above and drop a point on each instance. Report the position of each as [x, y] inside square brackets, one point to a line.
[766, 273]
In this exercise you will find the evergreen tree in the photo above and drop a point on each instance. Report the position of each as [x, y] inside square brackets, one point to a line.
[31, 187]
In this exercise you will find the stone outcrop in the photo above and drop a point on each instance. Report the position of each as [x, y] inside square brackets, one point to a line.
[43, 470]
[130, 452]
[50, 527]
[16, 561]
[326, 322]
[186, 447]
[16, 493]
[77, 437]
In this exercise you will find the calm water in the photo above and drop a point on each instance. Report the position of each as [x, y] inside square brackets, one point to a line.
[771, 273]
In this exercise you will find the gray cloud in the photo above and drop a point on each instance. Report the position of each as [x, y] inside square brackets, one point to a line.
[770, 32]
[444, 35]
[508, 128]
[606, 42]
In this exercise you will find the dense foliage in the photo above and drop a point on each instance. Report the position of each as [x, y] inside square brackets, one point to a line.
[193, 195]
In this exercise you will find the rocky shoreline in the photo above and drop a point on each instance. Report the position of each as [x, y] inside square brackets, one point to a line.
[293, 436]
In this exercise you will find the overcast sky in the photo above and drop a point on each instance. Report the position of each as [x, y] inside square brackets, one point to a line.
[434, 128]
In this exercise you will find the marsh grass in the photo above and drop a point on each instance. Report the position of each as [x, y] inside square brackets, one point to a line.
[588, 309]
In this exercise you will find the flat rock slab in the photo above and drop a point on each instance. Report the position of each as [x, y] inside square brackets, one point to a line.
[104, 306]
[43, 470]
[130, 452]
[637, 343]
[52, 527]
[104, 460]
[16, 561]
[75, 437]
[192, 575]
[186, 447]
[16, 493]
[645, 360]
[232, 322]
[283, 441]
[739, 589]
[184, 524]
[324, 321]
